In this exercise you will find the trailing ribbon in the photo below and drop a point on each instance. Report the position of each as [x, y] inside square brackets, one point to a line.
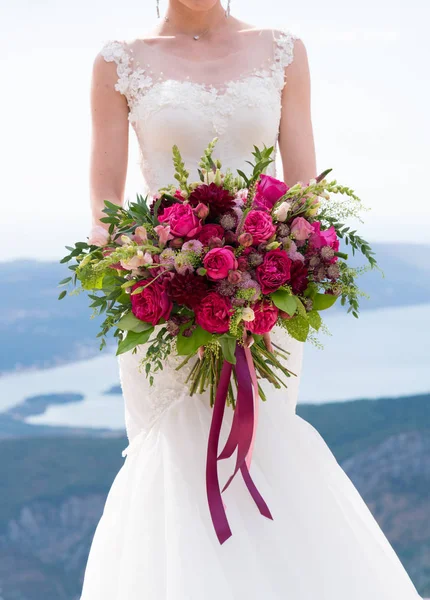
[241, 437]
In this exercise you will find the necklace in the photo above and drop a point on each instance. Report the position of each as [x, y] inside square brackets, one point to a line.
[196, 36]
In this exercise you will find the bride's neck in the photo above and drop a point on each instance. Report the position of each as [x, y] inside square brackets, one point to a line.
[187, 20]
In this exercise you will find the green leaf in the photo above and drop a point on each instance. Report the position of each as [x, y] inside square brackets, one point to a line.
[131, 323]
[228, 347]
[314, 319]
[298, 328]
[63, 293]
[64, 281]
[323, 301]
[285, 301]
[190, 345]
[301, 308]
[133, 339]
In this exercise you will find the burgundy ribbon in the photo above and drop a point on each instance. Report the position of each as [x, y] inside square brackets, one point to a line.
[240, 438]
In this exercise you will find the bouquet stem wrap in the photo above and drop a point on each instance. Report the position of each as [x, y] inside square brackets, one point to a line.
[241, 437]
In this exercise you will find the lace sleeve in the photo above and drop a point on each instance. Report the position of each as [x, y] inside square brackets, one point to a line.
[283, 54]
[132, 82]
[116, 51]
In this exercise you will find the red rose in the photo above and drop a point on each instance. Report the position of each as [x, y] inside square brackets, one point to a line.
[152, 303]
[213, 313]
[299, 277]
[266, 315]
[268, 191]
[182, 220]
[274, 271]
[209, 231]
[260, 225]
[218, 262]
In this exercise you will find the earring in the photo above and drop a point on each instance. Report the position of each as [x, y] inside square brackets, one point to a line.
[158, 8]
[227, 11]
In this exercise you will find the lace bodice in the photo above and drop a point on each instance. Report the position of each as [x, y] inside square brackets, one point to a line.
[239, 102]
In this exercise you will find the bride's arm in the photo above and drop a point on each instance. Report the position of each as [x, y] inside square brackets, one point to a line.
[109, 139]
[296, 140]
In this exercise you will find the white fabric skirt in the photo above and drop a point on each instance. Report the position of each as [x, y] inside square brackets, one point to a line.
[156, 541]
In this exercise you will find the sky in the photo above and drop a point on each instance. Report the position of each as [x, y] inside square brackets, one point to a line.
[370, 98]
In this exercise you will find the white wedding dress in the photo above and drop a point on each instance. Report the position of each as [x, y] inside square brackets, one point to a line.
[155, 539]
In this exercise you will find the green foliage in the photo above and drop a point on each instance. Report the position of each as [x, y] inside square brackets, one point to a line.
[131, 323]
[190, 345]
[181, 173]
[285, 301]
[133, 339]
[228, 347]
[323, 301]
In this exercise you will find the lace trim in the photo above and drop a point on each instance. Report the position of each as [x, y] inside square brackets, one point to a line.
[134, 82]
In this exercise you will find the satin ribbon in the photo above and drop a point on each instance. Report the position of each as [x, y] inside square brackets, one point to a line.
[241, 437]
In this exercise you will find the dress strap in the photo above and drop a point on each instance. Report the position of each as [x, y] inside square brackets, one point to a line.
[115, 50]
[283, 53]
[133, 80]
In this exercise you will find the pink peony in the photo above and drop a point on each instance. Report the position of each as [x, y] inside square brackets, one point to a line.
[218, 262]
[209, 231]
[268, 191]
[182, 220]
[213, 313]
[260, 225]
[325, 237]
[152, 303]
[99, 236]
[274, 271]
[266, 315]
[301, 229]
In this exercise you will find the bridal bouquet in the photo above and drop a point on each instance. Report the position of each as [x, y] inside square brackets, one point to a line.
[205, 268]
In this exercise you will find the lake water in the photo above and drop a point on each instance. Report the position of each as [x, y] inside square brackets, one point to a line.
[383, 353]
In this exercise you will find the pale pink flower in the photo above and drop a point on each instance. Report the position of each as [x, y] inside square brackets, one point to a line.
[99, 236]
[163, 232]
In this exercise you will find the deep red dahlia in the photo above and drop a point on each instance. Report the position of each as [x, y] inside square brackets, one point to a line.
[218, 199]
[165, 203]
[298, 277]
[188, 289]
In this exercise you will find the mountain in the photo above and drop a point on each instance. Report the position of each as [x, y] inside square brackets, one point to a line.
[40, 331]
[56, 488]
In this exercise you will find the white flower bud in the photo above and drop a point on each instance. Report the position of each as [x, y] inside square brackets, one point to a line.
[248, 314]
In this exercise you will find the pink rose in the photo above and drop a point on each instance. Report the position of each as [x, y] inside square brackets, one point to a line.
[213, 313]
[201, 210]
[268, 191]
[218, 262]
[182, 220]
[209, 231]
[274, 271]
[325, 237]
[266, 315]
[301, 229]
[260, 225]
[99, 236]
[152, 303]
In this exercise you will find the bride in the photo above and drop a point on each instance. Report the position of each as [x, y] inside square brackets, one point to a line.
[203, 74]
